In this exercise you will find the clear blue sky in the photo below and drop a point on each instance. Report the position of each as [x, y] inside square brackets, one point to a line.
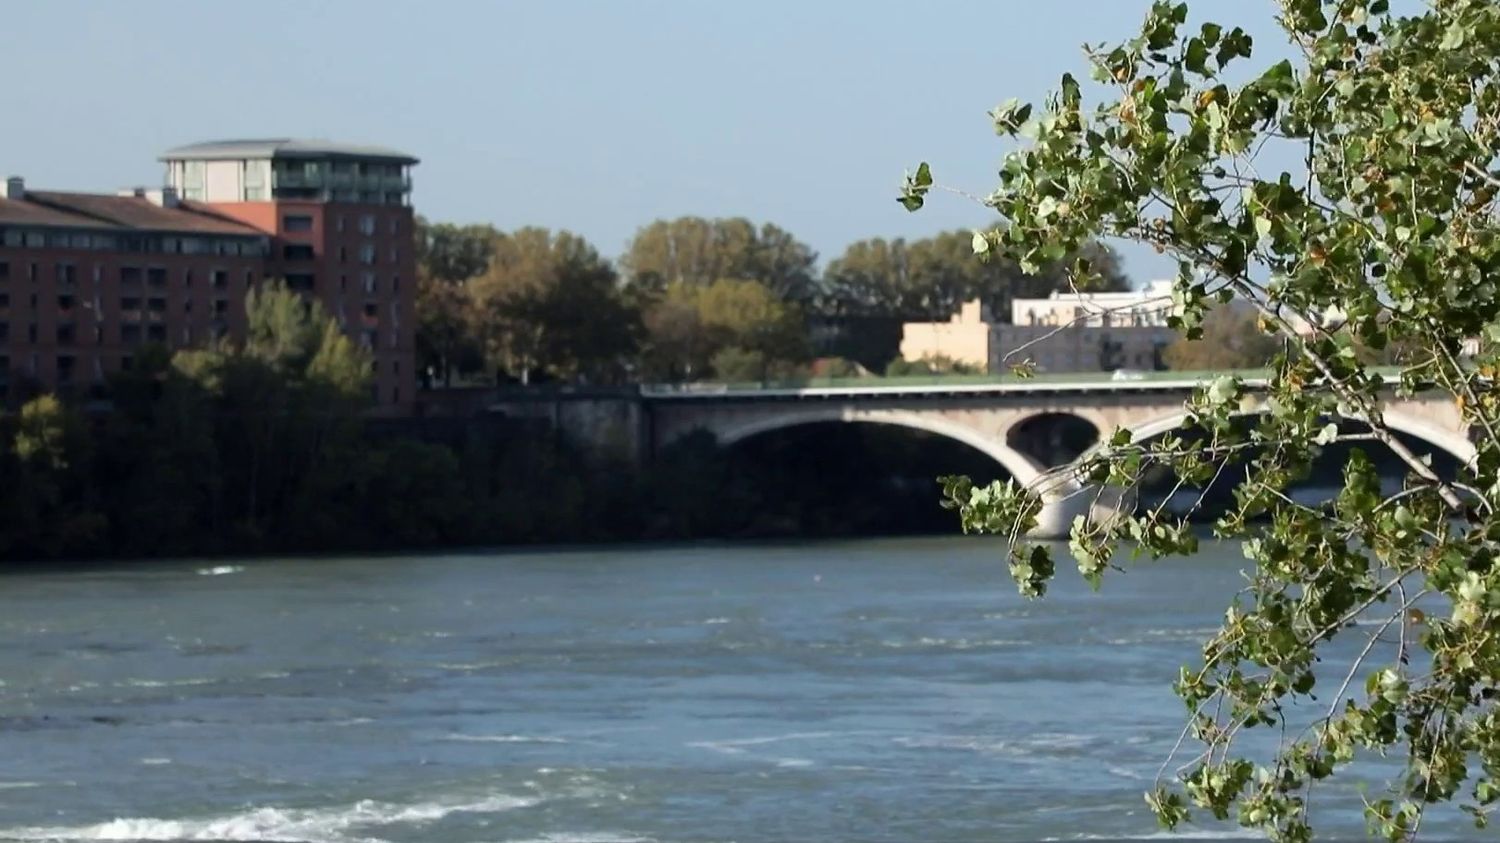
[596, 116]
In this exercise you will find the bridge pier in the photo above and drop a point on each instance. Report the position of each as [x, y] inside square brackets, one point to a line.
[1065, 501]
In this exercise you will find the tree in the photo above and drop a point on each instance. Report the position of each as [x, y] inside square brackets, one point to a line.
[677, 345]
[698, 251]
[735, 329]
[550, 303]
[286, 401]
[446, 329]
[448, 256]
[1383, 208]
[930, 278]
[1232, 339]
[453, 253]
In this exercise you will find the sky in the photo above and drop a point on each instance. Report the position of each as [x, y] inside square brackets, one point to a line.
[593, 115]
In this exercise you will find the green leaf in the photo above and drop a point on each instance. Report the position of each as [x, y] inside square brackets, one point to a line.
[1454, 36]
[1196, 57]
[1328, 435]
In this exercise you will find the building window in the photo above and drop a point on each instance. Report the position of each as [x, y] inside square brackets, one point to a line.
[31, 333]
[338, 223]
[249, 278]
[127, 363]
[370, 284]
[4, 270]
[367, 254]
[297, 252]
[221, 307]
[367, 224]
[395, 225]
[396, 285]
[66, 334]
[156, 276]
[395, 254]
[31, 272]
[156, 305]
[130, 275]
[4, 332]
[302, 282]
[66, 364]
[219, 279]
[64, 304]
[98, 335]
[297, 223]
[156, 333]
[372, 312]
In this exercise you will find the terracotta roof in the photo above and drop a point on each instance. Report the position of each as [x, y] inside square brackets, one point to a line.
[21, 212]
[283, 148]
[96, 210]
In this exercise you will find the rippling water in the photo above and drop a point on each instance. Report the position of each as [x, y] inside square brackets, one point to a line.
[871, 691]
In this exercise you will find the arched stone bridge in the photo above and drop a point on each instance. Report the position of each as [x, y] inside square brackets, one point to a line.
[1017, 423]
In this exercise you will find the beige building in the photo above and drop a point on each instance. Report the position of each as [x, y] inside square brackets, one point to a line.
[966, 338]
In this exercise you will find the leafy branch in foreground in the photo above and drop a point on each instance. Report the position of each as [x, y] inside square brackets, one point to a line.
[1350, 193]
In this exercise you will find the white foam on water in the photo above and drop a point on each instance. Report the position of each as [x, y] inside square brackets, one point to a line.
[1042, 743]
[737, 746]
[953, 643]
[165, 683]
[155, 762]
[287, 825]
[505, 738]
[20, 785]
[220, 570]
[794, 762]
[587, 837]
[1184, 836]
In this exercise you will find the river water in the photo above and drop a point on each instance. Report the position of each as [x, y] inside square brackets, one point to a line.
[868, 691]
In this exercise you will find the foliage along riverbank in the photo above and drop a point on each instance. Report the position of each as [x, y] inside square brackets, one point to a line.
[263, 447]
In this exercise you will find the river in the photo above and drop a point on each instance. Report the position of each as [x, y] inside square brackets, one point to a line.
[854, 692]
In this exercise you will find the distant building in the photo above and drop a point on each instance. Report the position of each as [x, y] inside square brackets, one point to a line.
[1065, 332]
[1085, 332]
[86, 280]
[969, 337]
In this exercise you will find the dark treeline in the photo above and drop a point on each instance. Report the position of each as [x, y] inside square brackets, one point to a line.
[695, 298]
[265, 446]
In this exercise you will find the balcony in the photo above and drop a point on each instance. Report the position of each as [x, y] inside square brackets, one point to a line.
[297, 180]
[385, 184]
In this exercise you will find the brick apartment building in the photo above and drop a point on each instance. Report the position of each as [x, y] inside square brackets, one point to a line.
[86, 279]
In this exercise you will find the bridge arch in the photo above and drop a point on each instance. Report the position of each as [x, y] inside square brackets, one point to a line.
[1021, 467]
[1053, 438]
[1455, 444]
